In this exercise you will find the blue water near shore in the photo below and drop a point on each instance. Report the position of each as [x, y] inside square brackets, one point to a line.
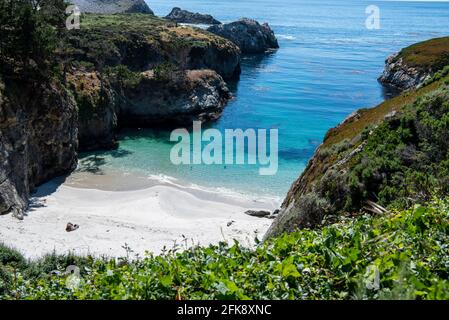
[326, 68]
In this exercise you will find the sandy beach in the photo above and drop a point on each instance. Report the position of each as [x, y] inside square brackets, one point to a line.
[142, 213]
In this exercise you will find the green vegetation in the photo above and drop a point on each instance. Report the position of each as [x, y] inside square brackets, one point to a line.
[28, 36]
[122, 76]
[406, 158]
[396, 155]
[400, 255]
[431, 54]
[139, 41]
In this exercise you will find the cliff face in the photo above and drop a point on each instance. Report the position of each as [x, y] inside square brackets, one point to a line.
[393, 155]
[129, 70]
[178, 100]
[133, 70]
[38, 138]
[397, 74]
[415, 64]
[96, 102]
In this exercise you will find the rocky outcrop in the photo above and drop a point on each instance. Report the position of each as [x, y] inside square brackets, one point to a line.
[183, 16]
[96, 109]
[398, 75]
[413, 65]
[147, 42]
[38, 139]
[112, 6]
[175, 99]
[248, 35]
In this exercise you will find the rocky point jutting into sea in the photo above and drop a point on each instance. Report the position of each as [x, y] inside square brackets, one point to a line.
[378, 158]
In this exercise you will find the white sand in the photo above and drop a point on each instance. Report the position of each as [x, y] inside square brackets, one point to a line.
[148, 219]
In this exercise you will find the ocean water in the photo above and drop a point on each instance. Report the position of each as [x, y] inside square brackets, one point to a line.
[326, 68]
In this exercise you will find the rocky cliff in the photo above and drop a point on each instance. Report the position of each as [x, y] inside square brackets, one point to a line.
[249, 35]
[112, 6]
[38, 138]
[174, 99]
[391, 156]
[184, 16]
[118, 70]
[413, 65]
[140, 70]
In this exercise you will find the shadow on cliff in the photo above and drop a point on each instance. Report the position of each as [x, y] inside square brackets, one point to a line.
[389, 92]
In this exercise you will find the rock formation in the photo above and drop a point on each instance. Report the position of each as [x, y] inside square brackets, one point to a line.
[183, 16]
[178, 100]
[38, 139]
[415, 64]
[97, 121]
[248, 35]
[117, 75]
[400, 76]
[112, 6]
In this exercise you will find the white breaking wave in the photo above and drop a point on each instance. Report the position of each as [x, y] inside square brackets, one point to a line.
[286, 37]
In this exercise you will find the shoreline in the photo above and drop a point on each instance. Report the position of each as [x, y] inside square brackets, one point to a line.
[142, 218]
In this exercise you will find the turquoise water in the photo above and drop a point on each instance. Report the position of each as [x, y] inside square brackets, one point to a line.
[326, 68]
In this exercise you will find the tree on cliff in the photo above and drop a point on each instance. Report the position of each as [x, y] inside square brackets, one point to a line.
[29, 33]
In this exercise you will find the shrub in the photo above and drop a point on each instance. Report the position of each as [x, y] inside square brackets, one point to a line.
[401, 255]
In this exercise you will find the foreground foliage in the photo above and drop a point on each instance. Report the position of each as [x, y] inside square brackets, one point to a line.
[401, 255]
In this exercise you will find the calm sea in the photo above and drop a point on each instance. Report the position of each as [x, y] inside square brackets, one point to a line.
[326, 68]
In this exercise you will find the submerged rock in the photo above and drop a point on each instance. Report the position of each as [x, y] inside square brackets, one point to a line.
[249, 35]
[184, 16]
[112, 6]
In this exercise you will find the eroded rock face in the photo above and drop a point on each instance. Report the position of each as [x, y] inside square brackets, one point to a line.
[186, 96]
[248, 35]
[402, 77]
[112, 6]
[96, 108]
[183, 16]
[38, 139]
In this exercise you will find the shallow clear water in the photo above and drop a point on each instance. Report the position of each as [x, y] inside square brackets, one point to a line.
[326, 68]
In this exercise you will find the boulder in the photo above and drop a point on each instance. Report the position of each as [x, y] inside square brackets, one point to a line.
[258, 213]
[249, 35]
[183, 16]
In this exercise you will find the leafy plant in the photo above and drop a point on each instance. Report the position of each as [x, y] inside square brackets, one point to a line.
[402, 255]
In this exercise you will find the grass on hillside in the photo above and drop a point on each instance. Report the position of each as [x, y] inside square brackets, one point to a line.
[400, 255]
[431, 54]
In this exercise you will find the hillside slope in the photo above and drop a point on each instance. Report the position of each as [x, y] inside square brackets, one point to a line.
[393, 155]
[112, 6]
